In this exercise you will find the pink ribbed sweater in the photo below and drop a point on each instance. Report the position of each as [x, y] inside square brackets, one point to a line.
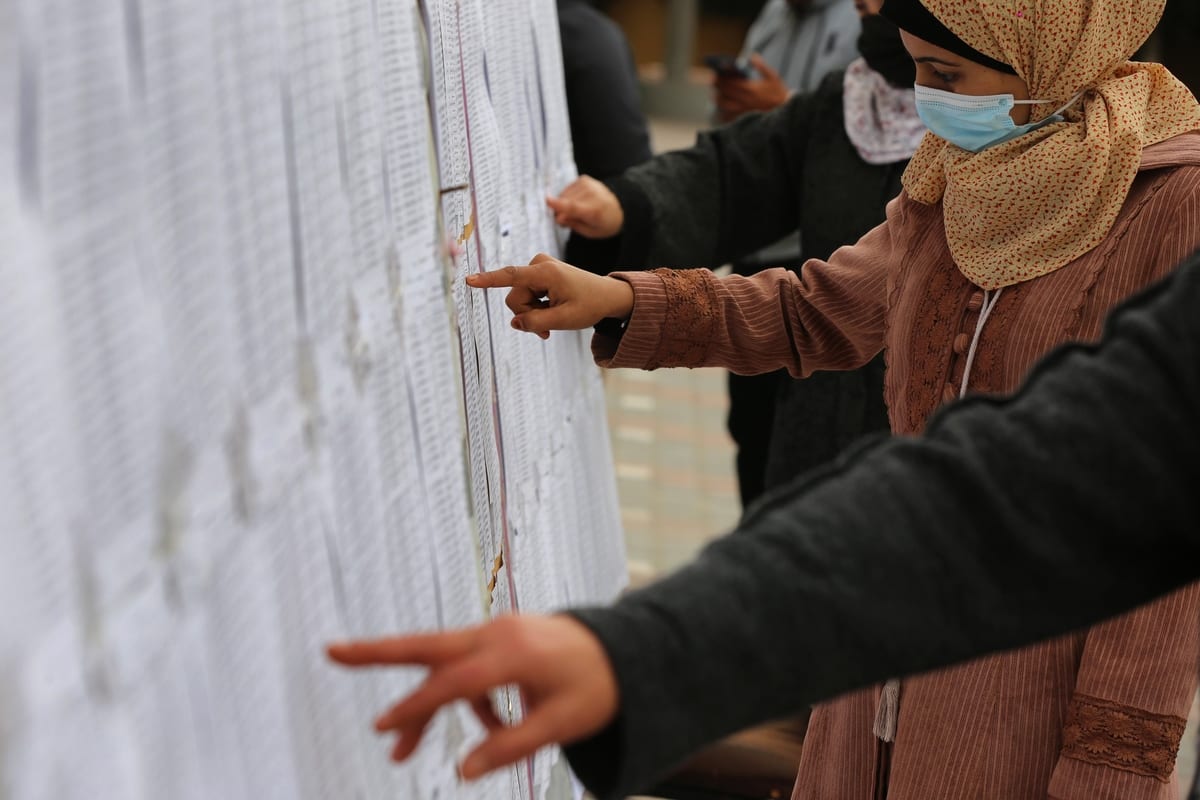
[1093, 715]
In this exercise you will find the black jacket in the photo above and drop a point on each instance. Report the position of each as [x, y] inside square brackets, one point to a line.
[1010, 521]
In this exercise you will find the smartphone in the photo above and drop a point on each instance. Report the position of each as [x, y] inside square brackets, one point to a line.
[729, 66]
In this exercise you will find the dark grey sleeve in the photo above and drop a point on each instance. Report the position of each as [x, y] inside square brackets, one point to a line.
[1009, 521]
[733, 193]
[608, 129]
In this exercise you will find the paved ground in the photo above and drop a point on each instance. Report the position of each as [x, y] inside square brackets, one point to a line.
[674, 460]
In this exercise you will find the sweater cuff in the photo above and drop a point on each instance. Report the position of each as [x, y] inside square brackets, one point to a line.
[639, 343]
[637, 231]
[1079, 780]
[647, 737]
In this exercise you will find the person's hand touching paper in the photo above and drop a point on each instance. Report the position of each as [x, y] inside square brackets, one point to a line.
[550, 295]
[564, 675]
[589, 208]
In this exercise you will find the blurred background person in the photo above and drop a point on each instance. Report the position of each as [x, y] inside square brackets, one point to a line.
[608, 128]
[1179, 40]
[792, 47]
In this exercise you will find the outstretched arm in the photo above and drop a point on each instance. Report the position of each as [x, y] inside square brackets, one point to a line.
[1009, 521]
[734, 192]
[830, 317]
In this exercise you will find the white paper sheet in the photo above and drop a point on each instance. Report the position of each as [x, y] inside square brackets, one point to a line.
[42, 484]
[181, 236]
[435, 393]
[245, 659]
[89, 203]
[249, 406]
[328, 734]
[318, 169]
[250, 61]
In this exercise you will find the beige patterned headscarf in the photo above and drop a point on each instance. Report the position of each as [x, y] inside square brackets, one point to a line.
[1032, 205]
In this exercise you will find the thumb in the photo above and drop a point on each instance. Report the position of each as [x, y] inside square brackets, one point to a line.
[560, 205]
[506, 276]
[577, 188]
[575, 191]
[763, 67]
[572, 213]
[543, 320]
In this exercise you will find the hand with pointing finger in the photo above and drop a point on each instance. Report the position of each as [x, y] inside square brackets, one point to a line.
[589, 208]
[563, 672]
[549, 295]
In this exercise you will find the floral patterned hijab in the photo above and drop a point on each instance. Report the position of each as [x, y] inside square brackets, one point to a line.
[1027, 207]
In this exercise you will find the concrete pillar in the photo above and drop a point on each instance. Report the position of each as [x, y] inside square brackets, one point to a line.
[677, 96]
[682, 18]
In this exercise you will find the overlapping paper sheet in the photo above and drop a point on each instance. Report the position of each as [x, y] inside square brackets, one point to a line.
[247, 405]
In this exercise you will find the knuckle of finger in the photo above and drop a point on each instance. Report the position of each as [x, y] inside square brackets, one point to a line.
[521, 638]
[505, 628]
[477, 674]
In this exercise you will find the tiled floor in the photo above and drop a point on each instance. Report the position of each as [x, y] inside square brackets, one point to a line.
[674, 461]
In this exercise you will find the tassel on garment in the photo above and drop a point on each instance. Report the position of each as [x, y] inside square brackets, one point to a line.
[888, 713]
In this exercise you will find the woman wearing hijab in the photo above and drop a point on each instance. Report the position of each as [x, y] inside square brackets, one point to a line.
[1058, 179]
[826, 163]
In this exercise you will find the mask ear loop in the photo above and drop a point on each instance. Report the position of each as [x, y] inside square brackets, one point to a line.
[1057, 112]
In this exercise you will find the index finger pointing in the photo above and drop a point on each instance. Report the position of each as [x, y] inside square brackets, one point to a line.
[507, 276]
[428, 649]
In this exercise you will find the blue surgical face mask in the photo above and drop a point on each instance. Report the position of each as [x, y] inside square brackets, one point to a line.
[977, 122]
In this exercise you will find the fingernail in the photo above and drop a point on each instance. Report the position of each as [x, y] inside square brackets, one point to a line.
[518, 324]
[473, 280]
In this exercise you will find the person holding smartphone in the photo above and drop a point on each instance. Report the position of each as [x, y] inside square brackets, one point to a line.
[791, 47]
